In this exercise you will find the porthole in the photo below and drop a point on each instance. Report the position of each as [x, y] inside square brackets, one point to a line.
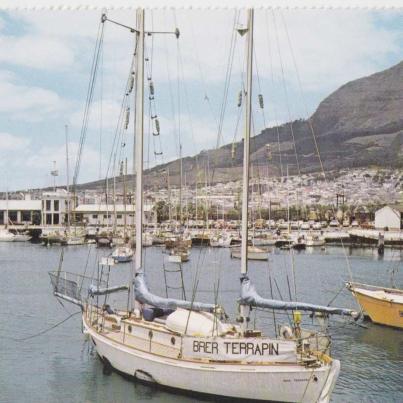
[150, 334]
[129, 328]
[173, 341]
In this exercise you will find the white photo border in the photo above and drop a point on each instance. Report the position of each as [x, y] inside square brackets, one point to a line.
[197, 4]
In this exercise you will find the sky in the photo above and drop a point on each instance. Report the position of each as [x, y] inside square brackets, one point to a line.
[300, 57]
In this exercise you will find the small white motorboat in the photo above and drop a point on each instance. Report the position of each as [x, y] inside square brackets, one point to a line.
[178, 256]
[122, 254]
[22, 237]
[315, 240]
[75, 240]
[221, 241]
[254, 253]
[6, 235]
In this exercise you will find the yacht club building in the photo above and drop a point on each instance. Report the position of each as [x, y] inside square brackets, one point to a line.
[103, 215]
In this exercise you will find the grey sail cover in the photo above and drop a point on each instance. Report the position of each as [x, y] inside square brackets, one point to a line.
[144, 296]
[250, 297]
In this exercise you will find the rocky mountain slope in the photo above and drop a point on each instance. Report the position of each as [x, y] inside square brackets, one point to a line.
[360, 124]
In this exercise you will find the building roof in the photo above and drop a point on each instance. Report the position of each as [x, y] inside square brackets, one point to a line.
[20, 205]
[103, 208]
[397, 207]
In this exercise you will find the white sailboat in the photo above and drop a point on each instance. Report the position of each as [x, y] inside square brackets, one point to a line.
[188, 345]
[6, 235]
[254, 253]
[22, 237]
[123, 254]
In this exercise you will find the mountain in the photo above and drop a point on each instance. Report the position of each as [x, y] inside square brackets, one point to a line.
[359, 124]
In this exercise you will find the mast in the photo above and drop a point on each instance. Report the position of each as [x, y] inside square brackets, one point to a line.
[139, 128]
[181, 184]
[67, 176]
[124, 200]
[245, 186]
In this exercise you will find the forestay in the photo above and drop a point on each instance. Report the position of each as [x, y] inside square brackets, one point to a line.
[239, 349]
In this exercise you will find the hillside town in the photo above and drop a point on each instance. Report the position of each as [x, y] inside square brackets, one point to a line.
[352, 195]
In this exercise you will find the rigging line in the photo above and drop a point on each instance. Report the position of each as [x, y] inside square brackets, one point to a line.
[186, 94]
[90, 95]
[285, 91]
[171, 96]
[230, 62]
[269, 48]
[302, 95]
[202, 78]
[259, 85]
[101, 113]
[228, 74]
[32, 336]
[124, 104]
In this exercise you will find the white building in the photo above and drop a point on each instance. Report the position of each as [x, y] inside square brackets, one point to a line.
[55, 206]
[389, 217]
[20, 211]
[103, 215]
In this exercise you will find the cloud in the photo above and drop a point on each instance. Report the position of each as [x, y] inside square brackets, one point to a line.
[10, 142]
[37, 52]
[110, 110]
[48, 55]
[37, 162]
[30, 103]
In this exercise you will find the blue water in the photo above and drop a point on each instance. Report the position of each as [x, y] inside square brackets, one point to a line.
[61, 365]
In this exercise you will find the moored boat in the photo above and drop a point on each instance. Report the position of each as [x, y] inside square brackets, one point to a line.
[254, 253]
[122, 254]
[383, 305]
[6, 236]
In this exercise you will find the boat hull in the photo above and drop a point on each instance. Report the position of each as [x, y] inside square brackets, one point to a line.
[123, 259]
[381, 311]
[287, 383]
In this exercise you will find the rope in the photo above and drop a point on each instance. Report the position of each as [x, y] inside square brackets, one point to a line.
[90, 95]
[42, 331]
[304, 103]
[286, 93]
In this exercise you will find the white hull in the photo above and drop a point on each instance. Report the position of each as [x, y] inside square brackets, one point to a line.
[312, 243]
[122, 254]
[75, 241]
[253, 254]
[286, 382]
[6, 239]
[22, 238]
[6, 236]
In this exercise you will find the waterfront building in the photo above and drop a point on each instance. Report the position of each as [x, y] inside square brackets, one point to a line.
[55, 207]
[389, 217]
[20, 212]
[109, 215]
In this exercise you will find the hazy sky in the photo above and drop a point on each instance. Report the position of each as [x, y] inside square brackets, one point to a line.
[46, 57]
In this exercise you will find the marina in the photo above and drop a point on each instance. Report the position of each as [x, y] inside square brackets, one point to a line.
[70, 369]
[267, 267]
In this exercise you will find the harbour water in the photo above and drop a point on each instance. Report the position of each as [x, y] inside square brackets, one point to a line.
[61, 365]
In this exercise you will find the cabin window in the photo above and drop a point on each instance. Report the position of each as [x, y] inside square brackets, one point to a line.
[95, 216]
[48, 219]
[48, 205]
[119, 216]
[56, 205]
